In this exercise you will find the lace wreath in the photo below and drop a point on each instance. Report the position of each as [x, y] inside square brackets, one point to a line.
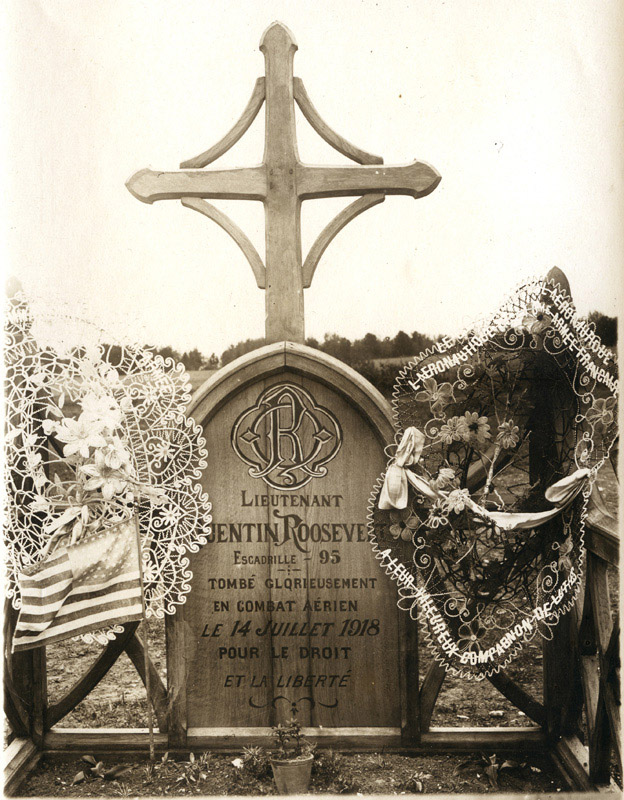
[480, 514]
[95, 434]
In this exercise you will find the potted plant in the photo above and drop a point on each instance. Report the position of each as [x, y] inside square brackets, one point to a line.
[293, 757]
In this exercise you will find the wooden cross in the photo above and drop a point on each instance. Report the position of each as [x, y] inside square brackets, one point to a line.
[282, 182]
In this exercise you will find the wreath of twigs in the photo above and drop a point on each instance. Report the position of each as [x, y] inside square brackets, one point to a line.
[94, 435]
[495, 423]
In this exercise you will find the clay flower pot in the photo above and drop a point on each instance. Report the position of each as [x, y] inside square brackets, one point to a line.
[292, 776]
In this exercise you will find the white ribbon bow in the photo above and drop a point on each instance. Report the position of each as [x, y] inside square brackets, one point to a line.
[394, 489]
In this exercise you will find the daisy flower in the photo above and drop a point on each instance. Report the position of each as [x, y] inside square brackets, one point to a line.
[474, 428]
[508, 435]
[451, 431]
[456, 501]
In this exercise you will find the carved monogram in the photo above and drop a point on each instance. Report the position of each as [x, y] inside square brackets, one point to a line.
[286, 437]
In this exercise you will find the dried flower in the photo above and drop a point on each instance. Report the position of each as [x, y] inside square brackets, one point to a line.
[508, 435]
[601, 412]
[437, 516]
[456, 501]
[437, 396]
[444, 478]
[451, 431]
[536, 321]
[474, 429]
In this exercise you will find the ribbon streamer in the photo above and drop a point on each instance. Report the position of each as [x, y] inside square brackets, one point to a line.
[394, 490]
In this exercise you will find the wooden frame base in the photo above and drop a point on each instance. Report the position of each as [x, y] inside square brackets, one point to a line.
[442, 740]
[18, 761]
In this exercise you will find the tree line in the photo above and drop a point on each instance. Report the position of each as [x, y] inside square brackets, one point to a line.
[366, 355]
[369, 348]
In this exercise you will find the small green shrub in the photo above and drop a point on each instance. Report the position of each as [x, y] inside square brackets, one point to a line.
[326, 769]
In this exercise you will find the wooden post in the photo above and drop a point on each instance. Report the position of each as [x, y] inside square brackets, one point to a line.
[284, 281]
[560, 654]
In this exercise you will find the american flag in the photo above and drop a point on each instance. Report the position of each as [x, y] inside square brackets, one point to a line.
[80, 588]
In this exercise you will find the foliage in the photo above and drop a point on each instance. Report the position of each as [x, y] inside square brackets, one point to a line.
[606, 327]
[347, 784]
[97, 769]
[327, 768]
[234, 351]
[290, 742]
[382, 376]
[256, 761]
[415, 782]
[367, 348]
[193, 360]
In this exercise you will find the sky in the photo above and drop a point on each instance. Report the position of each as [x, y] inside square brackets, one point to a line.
[517, 105]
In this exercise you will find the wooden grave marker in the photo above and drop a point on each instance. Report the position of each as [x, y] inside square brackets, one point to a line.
[282, 182]
[288, 603]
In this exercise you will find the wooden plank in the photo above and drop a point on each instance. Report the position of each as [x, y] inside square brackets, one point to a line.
[231, 228]
[15, 711]
[234, 134]
[136, 653]
[284, 294]
[471, 739]
[39, 695]
[572, 762]
[601, 604]
[101, 740]
[409, 678]
[600, 742]
[18, 761]
[591, 688]
[602, 541]
[16, 701]
[519, 697]
[429, 692]
[92, 676]
[175, 636]
[245, 183]
[332, 138]
[349, 738]
[416, 180]
[440, 740]
[548, 431]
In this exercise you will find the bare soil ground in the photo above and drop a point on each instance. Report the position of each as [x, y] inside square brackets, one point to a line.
[377, 773]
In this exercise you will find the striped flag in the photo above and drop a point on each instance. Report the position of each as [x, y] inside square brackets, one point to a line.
[80, 588]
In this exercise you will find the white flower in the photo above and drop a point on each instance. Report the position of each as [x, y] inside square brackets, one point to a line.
[102, 411]
[40, 503]
[508, 435]
[109, 373]
[444, 478]
[436, 516]
[80, 435]
[473, 428]
[110, 481]
[40, 479]
[456, 501]
[451, 431]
